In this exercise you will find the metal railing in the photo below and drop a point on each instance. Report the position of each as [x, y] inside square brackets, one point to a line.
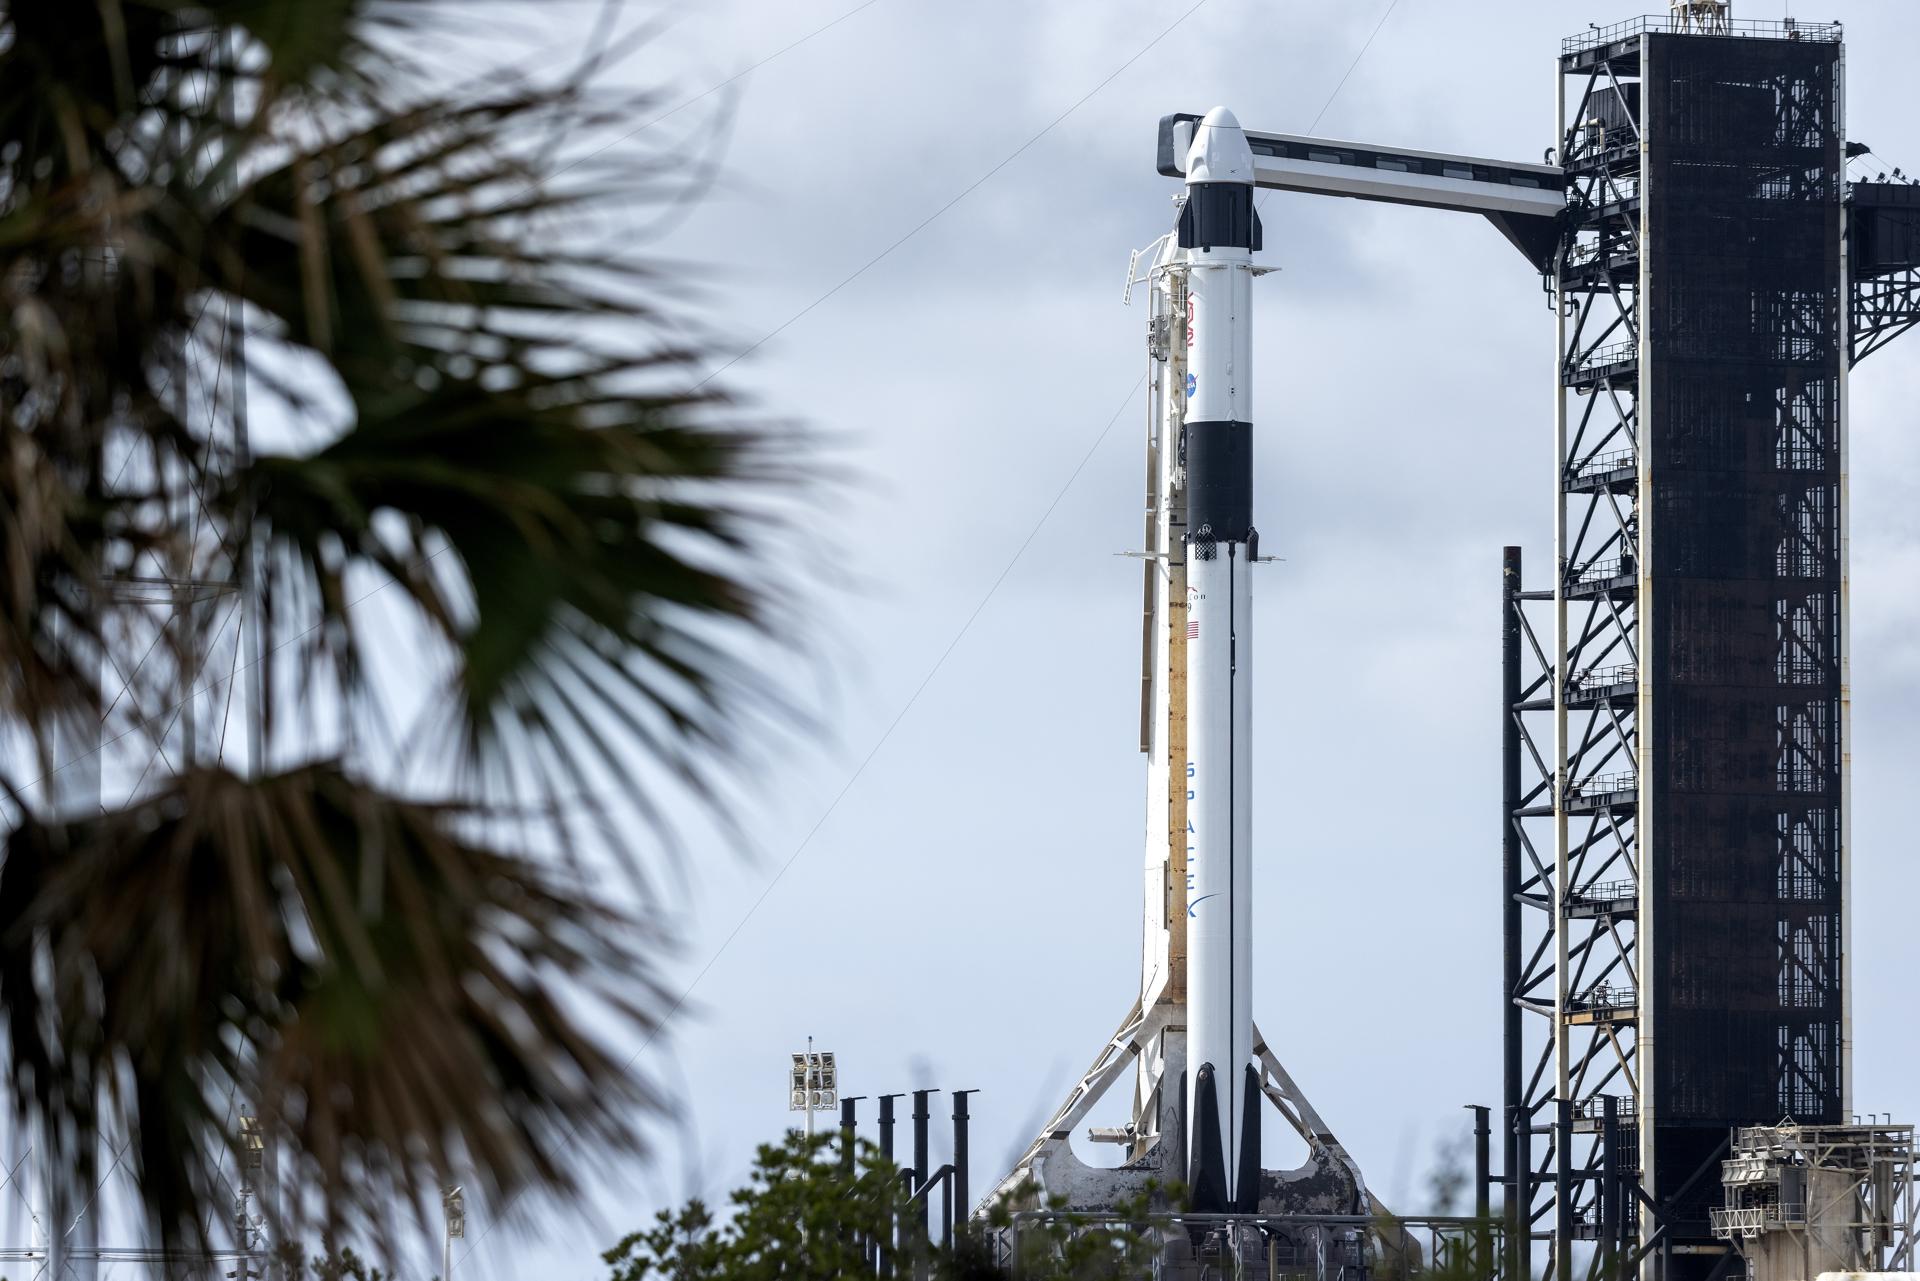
[1748, 1222]
[1603, 785]
[1606, 996]
[1600, 571]
[1598, 136]
[1801, 671]
[1602, 678]
[1598, 358]
[1335, 1254]
[1750, 28]
[1608, 892]
[1601, 464]
[1594, 1108]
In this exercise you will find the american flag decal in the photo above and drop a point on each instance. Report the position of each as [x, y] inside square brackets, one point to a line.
[1193, 628]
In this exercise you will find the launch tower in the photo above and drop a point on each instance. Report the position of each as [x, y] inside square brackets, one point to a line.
[1675, 707]
[1677, 737]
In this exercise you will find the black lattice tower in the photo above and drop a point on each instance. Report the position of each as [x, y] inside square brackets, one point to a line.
[1676, 778]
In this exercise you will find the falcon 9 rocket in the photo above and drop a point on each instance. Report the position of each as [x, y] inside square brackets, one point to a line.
[1219, 230]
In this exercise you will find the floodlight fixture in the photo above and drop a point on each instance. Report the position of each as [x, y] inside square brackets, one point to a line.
[813, 1083]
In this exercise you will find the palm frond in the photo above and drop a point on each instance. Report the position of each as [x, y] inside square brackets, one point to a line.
[519, 446]
[601, 523]
[398, 995]
[47, 635]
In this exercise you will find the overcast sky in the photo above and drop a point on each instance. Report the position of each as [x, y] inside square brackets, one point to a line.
[967, 915]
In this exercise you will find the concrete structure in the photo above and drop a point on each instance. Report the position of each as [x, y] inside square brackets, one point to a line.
[1819, 1200]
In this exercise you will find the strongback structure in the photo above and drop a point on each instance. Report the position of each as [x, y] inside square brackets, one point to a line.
[1676, 697]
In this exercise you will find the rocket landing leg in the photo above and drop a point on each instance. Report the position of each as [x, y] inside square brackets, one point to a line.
[1328, 1184]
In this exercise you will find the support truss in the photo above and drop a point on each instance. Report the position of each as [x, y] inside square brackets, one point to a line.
[1884, 307]
[1695, 679]
[1574, 687]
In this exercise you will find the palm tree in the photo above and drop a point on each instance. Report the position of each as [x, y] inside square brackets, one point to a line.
[371, 919]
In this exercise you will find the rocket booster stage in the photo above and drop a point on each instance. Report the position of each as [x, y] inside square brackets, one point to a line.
[1219, 231]
[1201, 1075]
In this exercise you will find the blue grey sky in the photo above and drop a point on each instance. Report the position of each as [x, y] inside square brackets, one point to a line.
[966, 914]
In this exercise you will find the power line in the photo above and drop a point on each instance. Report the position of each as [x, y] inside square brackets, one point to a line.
[784, 325]
[868, 759]
[993, 589]
[234, 674]
[763, 340]
[905, 708]
[979, 608]
[967, 626]
[1351, 68]
[1378, 26]
[970, 188]
[710, 90]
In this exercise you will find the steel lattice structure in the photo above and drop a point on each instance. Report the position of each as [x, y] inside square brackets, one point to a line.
[1674, 774]
[1573, 676]
[1883, 240]
[1675, 779]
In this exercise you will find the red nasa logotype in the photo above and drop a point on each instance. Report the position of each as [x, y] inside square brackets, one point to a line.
[1193, 314]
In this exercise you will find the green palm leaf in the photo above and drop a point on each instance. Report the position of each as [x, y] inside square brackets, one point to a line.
[516, 444]
[391, 992]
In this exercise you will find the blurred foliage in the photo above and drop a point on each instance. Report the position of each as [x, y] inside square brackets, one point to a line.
[291, 1263]
[805, 1215]
[221, 212]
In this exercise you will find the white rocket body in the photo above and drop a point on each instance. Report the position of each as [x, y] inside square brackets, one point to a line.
[1218, 232]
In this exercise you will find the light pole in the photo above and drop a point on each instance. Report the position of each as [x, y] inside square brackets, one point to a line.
[812, 1084]
[455, 1205]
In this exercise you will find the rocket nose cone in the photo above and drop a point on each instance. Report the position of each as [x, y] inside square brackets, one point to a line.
[1220, 152]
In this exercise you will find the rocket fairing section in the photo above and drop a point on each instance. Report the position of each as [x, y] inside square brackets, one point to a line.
[1219, 230]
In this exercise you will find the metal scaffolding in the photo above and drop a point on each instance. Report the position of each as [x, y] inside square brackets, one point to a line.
[1806, 1199]
[1674, 701]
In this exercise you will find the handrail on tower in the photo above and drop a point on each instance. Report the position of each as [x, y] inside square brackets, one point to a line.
[1703, 17]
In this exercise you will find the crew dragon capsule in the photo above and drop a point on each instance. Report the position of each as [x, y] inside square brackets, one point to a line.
[1219, 231]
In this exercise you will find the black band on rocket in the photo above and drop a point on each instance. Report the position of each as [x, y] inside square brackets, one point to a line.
[1220, 479]
[1219, 215]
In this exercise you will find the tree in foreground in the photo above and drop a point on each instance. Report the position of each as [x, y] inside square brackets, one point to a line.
[480, 418]
[807, 1215]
